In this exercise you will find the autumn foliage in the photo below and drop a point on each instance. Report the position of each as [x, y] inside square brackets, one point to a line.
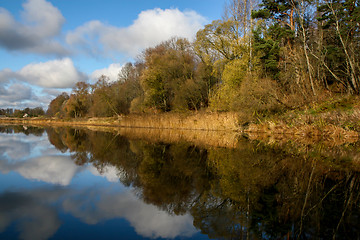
[259, 59]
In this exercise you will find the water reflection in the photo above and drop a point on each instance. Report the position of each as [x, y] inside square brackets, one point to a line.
[50, 169]
[38, 218]
[253, 191]
[35, 217]
[146, 219]
[63, 183]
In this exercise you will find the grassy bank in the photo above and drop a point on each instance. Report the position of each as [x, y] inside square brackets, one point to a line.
[201, 129]
[335, 120]
[223, 139]
[186, 121]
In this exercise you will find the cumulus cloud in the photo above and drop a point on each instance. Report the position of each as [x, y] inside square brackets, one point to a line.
[56, 74]
[112, 72]
[40, 24]
[5, 75]
[150, 28]
[51, 92]
[36, 84]
[59, 73]
[15, 93]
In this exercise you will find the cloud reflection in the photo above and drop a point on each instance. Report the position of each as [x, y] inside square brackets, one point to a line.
[36, 212]
[12, 148]
[51, 169]
[35, 219]
[16, 152]
[147, 220]
[111, 173]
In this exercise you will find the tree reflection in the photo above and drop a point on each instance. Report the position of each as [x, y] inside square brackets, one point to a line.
[252, 192]
[27, 130]
[100, 149]
[280, 195]
[173, 176]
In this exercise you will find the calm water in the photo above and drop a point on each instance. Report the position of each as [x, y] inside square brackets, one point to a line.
[63, 183]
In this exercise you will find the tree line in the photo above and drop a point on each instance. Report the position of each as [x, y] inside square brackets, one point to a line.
[28, 112]
[260, 58]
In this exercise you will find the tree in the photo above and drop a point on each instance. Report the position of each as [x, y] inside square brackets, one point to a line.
[219, 36]
[280, 12]
[79, 101]
[225, 46]
[268, 50]
[129, 86]
[192, 95]
[167, 67]
[277, 30]
[56, 105]
[226, 96]
[103, 102]
[35, 112]
[301, 11]
[340, 20]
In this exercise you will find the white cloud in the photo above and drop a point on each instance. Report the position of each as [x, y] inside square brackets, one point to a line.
[85, 38]
[15, 93]
[5, 75]
[36, 84]
[150, 28]
[41, 24]
[44, 19]
[51, 92]
[112, 72]
[52, 74]
[57, 73]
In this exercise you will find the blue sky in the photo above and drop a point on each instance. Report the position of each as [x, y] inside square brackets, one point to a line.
[46, 46]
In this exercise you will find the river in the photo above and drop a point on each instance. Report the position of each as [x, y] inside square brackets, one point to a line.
[66, 183]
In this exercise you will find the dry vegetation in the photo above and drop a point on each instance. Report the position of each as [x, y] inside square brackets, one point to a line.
[196, 121]
[335, 120]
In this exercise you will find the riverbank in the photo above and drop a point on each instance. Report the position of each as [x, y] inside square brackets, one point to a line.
[336, 120]
[201, 129]
[224, 121]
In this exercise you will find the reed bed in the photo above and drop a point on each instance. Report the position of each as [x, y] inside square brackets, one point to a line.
[195, 121]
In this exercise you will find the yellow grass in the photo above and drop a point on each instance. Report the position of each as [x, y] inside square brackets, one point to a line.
[194, 121]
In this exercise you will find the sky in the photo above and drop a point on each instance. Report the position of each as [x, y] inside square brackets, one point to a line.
[46, 46]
